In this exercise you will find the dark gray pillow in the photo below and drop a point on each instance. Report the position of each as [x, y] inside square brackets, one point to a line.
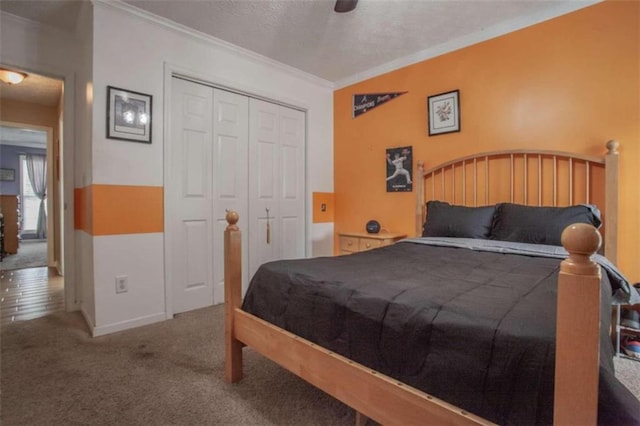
[446, 220]
[539, 225]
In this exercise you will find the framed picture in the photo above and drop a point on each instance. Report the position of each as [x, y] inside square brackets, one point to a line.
[444, 113]
[128, 115]
[8, 175]
[399, 168]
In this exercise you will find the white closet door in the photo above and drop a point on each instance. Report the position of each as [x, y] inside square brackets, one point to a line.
[264, 185]
[227, 151]
[276, 183]
[190, 193]
[230, 178]
[209, 149]
[292, 183]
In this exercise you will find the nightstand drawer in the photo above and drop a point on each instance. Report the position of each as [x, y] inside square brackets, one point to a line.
[369, 243]
[353, 242]
[349, 244]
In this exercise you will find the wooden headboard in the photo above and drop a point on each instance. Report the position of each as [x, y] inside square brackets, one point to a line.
[529, 177]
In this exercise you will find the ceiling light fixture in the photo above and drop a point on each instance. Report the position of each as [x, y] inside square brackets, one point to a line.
[12, 77]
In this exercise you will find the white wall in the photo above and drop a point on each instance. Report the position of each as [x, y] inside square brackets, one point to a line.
[322, 239]
[139, 257]
[132, 52]
[84, 272]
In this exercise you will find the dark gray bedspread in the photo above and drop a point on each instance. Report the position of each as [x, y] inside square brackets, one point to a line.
[474, 328]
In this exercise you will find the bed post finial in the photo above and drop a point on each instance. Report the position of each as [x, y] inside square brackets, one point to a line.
[581, 240]
[232, 297]
[578, 325]
[612, 147]
[232, 218]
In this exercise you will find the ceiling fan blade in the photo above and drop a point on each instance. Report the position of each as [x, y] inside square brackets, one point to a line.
[345, 5]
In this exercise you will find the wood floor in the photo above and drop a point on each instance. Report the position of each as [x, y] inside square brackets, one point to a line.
[30, 293]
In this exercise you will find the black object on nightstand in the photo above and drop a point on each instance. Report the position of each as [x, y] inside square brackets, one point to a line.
[373, 227]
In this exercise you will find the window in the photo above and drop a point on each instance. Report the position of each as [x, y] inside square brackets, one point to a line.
[29, 201]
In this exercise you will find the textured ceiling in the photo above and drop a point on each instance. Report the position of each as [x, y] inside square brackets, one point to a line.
[310, 36]
[35, 89]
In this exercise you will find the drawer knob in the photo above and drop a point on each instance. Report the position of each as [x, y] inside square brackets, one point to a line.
[368, 245]
[350, 243]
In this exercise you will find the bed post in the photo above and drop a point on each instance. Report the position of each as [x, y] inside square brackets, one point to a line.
[578, 326]
[611, 201]
[418, 180]
[232, 297]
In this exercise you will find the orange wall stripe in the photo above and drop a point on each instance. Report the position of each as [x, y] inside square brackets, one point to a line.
[121, 209]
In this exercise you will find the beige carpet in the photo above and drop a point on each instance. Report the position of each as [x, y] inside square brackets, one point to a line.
[168, 373]
[31, 254]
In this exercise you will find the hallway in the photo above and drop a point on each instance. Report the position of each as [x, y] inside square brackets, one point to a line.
[31, 254]
[30, 293]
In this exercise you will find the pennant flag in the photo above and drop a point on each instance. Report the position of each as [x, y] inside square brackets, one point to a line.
[368, 101]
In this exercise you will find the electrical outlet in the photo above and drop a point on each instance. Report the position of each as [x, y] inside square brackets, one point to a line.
[122, 283]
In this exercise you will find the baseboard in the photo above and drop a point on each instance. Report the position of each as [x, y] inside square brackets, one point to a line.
[125, 325]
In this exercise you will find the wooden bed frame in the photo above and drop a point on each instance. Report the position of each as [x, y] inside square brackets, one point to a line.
[388, 401]
[470, 180]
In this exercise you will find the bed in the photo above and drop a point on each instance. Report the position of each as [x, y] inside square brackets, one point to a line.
[492, 355]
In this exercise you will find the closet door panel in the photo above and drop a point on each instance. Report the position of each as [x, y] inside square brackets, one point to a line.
[264, 183]
[189, 194]
[290, 237]
[230, 152]
[292, 182]
[230, 181]
[266, 172]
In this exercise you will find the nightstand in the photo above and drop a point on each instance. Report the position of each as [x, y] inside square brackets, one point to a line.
[353, 242]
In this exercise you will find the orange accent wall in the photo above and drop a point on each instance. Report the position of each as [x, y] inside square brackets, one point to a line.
[119, 209]
[570, 83]
[320, 198]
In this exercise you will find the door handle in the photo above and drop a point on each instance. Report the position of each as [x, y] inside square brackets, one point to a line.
[268, 228]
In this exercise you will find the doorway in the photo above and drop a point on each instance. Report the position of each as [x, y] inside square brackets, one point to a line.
[31, 193]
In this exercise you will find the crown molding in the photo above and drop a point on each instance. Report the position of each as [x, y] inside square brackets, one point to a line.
[468, 40]
[214, 41]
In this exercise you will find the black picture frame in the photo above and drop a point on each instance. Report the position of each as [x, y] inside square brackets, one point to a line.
[399, 169]
[7, 175]
[129, 115]
[443, 113]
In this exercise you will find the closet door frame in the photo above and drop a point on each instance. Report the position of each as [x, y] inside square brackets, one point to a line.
[215, 81]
